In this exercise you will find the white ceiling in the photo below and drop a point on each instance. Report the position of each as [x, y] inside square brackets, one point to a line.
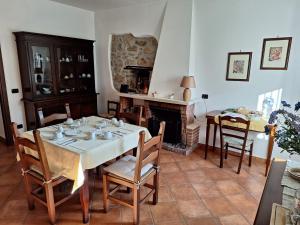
[94, 5]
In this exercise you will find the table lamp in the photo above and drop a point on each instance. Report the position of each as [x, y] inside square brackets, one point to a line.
[187, 82]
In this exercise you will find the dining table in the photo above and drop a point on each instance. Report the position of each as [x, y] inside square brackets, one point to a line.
[256, 125]
[76, 151]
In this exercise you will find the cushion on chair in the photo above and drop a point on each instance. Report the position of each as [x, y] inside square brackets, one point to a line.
[237, 142]
[125, 168]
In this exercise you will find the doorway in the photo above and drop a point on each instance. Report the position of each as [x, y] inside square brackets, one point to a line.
[5, 120]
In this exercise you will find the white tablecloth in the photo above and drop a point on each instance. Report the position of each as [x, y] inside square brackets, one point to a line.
[72, 159]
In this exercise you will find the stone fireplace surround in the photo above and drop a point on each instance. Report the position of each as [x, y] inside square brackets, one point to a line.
[189, 127]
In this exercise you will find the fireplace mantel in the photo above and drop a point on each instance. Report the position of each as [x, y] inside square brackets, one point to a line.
[159, 99]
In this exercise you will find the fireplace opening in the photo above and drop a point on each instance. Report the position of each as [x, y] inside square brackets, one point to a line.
[173, 123]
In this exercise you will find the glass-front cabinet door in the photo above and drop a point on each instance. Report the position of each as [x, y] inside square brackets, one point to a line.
[85, 70]
[67, 76]
[42, 78]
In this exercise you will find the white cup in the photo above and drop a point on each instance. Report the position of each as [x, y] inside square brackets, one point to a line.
[107, 135]
[70, 121]
[114, 121]
[121, 123]
[58, 135]
[92, 135]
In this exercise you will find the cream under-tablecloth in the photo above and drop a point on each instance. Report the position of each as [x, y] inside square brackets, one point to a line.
[257, 124]
[71, 160]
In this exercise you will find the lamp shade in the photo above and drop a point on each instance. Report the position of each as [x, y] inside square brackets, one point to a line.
[188, 82]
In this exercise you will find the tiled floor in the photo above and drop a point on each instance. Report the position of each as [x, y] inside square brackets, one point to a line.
[193, 191]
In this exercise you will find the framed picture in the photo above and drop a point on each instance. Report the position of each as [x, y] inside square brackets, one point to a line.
[238, 66]
[275, 53]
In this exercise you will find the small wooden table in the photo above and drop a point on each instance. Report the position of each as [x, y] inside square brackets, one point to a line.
[210, 118]
[272, 193]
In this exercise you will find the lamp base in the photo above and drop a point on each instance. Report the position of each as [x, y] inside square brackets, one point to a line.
[187, 94]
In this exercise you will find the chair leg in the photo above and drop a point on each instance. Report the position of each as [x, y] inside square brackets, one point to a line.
[221, 156]
[156, 186]
[50, 202]
[136, 205]
[105, 193]
[28, 190]
[226, 150]
[250, 154]
[241, 160]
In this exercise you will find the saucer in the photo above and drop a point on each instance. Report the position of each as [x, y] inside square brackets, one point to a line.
[71, 133]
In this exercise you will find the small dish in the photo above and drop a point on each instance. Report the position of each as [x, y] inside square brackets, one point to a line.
[294, 173]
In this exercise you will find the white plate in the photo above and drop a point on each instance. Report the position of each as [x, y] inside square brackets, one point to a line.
[50, 135]
[71, 133]
[105, 138]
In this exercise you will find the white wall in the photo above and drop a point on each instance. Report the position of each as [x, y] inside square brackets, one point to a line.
[234, 25]
[2, 132]
[140, 20]
[173, 53]
[41, 16]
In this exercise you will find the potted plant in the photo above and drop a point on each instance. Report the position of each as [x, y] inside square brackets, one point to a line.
[287, 121]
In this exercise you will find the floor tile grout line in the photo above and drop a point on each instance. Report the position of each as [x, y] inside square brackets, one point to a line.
[240, 212]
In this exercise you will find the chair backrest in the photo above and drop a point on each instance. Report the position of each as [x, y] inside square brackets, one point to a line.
[148, 152]
[29, 161]
[56, 117]
[134, 117]
[235, 127]
[113, 107]
[139, 114]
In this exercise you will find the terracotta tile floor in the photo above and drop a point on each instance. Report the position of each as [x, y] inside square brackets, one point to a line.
[193, 191]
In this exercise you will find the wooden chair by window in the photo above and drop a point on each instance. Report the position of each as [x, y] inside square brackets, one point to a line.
[135, 117]
[53, 118]
[112, 110]
[36, 173]
[235, 137]
[134, 172]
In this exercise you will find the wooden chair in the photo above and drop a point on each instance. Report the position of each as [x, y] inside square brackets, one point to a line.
[135, 117]
[134, 172]
[235, 137]
[112, 110]
[36, 173]
[56, 117]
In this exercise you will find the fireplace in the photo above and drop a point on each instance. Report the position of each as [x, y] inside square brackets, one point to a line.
[182, 130]
[173, 123]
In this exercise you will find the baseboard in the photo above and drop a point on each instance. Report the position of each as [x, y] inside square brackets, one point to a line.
[230, 152]
[2, 140]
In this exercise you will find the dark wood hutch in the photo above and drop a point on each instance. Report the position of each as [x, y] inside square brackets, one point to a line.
[56, 70]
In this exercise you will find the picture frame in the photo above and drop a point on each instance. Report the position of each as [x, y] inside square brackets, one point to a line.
[275, 53]
[238, 66]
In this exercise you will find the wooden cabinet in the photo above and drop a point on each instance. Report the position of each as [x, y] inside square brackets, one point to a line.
[55, 70]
